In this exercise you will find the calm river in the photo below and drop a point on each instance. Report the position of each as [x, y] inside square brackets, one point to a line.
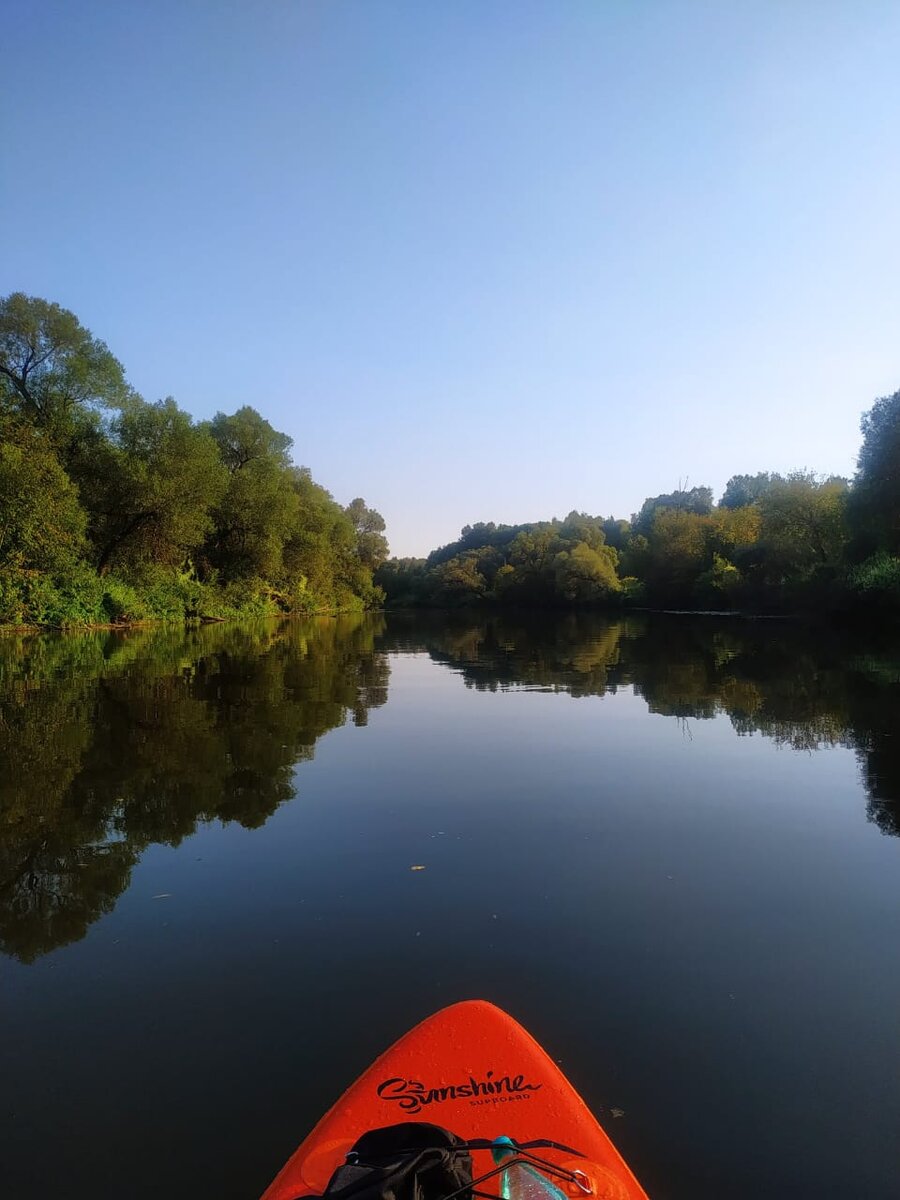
[669, 846]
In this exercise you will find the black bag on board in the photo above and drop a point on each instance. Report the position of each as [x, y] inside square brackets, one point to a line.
[412, 1161]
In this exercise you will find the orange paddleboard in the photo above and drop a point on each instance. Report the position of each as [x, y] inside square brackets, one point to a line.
[473, 1070]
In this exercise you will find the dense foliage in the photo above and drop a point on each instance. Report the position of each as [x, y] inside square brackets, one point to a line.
[773, 543]
[114, 509]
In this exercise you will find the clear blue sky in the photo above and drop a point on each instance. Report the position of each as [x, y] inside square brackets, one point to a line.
[483, 261]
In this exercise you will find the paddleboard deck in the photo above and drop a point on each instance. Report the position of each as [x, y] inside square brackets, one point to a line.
[474, 1070]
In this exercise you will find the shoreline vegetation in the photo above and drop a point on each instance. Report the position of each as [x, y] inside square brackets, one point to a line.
[115, 511]
[773, 545]
[151, 623]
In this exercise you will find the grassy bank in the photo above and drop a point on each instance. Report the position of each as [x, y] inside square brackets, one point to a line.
[82, 599]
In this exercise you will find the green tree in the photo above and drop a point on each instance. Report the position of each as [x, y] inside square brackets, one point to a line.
[697, 500]
[42, 523]
[473, 537]
[721, 584]
[157, 480]
[42, 530]
[616, 532]
[53, 372]
[803, 527]
[245, 437]
[586, 574]
[371, 544]
[741, 490]
[321, 557]
[531, 551]
[580, 527]
[403, 581]
[635, 556]
[735, 529]
[458, 581]
[259, 509]
[678, 553]
[876, 502]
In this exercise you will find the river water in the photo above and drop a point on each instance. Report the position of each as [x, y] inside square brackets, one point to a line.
[669, 846]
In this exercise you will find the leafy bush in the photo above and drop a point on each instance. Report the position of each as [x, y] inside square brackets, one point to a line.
[12, 598]
[303, 603]
[172, 595]
[719, 585]
[122, 604]
[633, 590]
[64, 603]
[876, 582]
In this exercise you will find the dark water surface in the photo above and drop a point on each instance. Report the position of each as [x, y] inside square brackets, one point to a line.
[669, 846]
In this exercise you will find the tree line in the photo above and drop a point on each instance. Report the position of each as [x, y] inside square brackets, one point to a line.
[116, 509]
[772, 543]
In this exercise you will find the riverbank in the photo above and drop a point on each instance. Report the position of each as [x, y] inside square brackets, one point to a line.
[857, 614]
[83, 600]
[176, 622]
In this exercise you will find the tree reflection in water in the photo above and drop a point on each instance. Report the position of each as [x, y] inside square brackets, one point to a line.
[111, 742]
[805, 688]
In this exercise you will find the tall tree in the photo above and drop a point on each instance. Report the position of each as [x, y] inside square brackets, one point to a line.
[586, 573]
[580, 527]
[160, 478]
[53, 372]
[42, 523]
[803, 526]
[616, 532]
[877, 498]
[319, 557]
[245, 437]
[371, 544]
[698, 500]
[678, 553]
[741, 490]
[259, 509]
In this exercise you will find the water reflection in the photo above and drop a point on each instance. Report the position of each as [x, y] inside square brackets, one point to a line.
[114, 741]
[111, 742]
[804, 688]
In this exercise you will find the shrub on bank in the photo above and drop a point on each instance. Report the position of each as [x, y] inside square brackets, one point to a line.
[35, 599]
[83, 598]
[875, 583]
[122, 604]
